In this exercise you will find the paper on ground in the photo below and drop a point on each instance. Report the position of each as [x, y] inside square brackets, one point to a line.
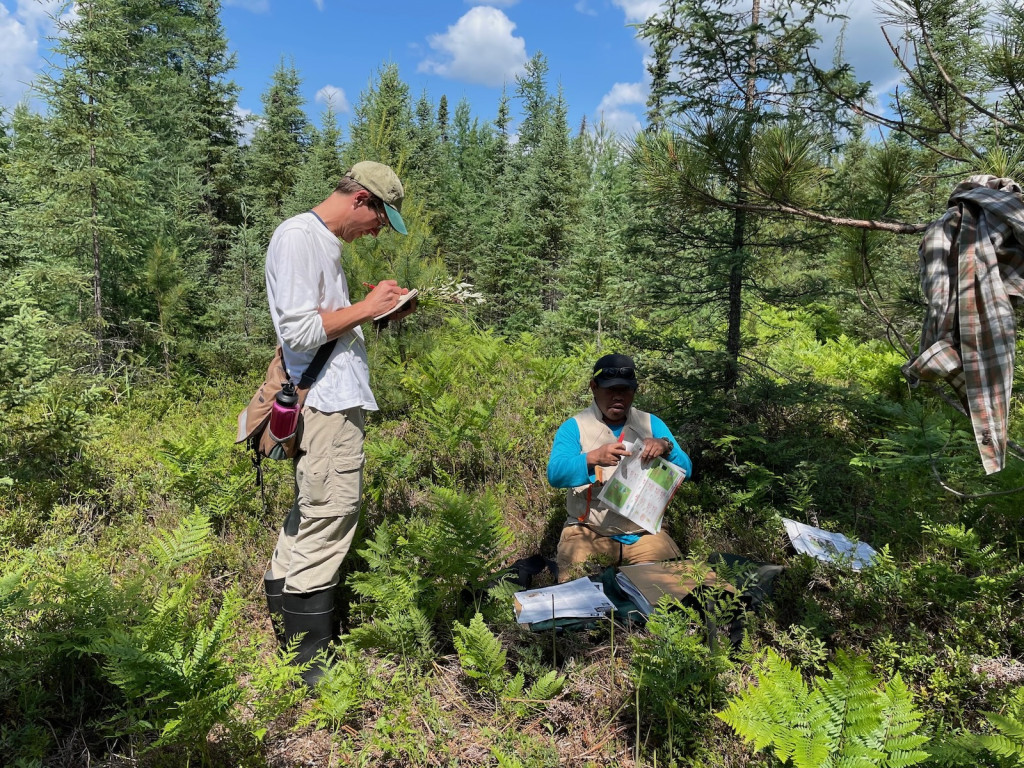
[577, 599]
[828, 546]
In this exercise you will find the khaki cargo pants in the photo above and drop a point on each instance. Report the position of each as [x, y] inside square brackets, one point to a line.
[579, 543]
[318, 532]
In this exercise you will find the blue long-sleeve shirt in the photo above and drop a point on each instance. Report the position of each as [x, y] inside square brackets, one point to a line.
[567, 466]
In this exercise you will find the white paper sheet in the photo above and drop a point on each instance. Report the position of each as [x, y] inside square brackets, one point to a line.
[579, 599]
[828, 546]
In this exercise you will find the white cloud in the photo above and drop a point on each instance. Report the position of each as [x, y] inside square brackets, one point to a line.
[583, 6]
[478, 48]
[20, 33]
[622, 122]
[638, 10]
[256, 6]
[334, 96]
[622, 94]
[18, 58]
[863, 46]
[611, 111]
[319, 4]
[39, 13]
[247, 122]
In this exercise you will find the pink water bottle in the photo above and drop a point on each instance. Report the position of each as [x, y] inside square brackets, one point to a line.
[284, 415]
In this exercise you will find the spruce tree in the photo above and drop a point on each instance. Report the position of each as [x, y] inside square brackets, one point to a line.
[537, 206]
[381, 128]
[553, 183]
[442, 119]
[93, 212]
[214, 99]
[278, 150]
[591, 280]
[320, 172]
[6, 235]
[469, 205]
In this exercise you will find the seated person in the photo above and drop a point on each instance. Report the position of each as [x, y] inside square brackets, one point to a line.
[597, 437]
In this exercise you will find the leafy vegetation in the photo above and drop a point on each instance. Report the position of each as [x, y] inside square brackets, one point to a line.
[846, 719]
[769, 303]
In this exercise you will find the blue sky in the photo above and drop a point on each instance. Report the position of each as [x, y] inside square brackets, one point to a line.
[453, 47]
[445, 47]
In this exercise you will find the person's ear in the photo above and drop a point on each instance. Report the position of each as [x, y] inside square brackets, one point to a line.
[593, 386]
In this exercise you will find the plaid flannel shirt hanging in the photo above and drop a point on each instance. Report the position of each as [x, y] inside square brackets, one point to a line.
[972, 275]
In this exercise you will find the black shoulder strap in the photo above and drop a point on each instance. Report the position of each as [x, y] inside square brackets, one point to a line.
[319, 361]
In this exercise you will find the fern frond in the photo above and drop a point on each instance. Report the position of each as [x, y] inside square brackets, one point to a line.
[514, 687]
[1009, 727]
[847, 721]
[547, 687]
[192, 539]
[955, 751]
[1001, 745]
[768, 713]
[506, 761]
[480, 653]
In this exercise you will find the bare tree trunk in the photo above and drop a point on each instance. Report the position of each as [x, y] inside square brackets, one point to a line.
[733, 343]
[735, 315]
[97, 288]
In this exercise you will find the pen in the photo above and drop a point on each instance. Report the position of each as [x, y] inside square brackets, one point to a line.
[371, 286]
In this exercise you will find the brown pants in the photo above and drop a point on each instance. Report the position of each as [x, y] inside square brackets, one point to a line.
[579, 543]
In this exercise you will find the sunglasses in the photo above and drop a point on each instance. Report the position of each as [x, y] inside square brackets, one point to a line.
[377, 207]
[625, 373]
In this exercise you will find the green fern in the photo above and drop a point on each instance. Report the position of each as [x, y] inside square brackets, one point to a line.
[13, 591]
[1006, 742]
[483, 659]
[481, 655]
[678, 675]
[347, 683]
[192, 539]
[418, 570]
[390, 593]
[174, 669]
[464, 540]
[850, 720]
[506, 761]
[189, 461]
[547, 687]
[514, 688]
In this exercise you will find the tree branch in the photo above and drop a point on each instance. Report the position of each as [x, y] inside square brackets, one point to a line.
[961, 494]
[913, 130]
[897, 227]
[939, 110]
[960, 94]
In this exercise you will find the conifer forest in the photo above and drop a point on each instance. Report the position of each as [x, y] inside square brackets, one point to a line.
[754, 248]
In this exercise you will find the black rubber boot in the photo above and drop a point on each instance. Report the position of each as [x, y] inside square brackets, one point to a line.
[275, 603]
[312, 616]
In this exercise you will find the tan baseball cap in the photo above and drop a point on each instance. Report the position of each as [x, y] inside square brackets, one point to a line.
[385, 184]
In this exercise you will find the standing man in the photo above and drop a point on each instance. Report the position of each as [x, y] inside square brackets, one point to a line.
[310, 307]
[598, 437]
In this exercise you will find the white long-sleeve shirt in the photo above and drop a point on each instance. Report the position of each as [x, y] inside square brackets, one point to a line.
[304, 275]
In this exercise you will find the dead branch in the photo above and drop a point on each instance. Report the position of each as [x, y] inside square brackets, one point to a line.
[897, 227]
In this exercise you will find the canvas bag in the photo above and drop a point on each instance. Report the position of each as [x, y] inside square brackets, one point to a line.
[254, 418]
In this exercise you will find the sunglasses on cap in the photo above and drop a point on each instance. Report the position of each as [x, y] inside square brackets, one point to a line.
[625, 373]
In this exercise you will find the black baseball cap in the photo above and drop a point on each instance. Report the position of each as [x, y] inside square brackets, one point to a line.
[615, 371]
